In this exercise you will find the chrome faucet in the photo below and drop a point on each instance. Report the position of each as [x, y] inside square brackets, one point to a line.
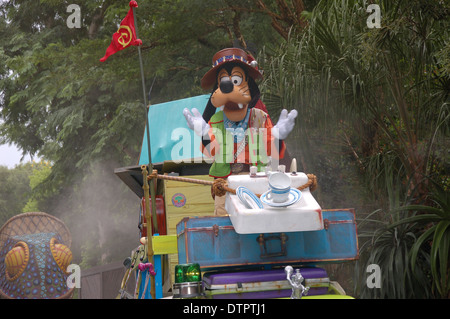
[295, 280]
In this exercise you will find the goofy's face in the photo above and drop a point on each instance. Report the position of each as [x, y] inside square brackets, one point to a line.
[233, 93]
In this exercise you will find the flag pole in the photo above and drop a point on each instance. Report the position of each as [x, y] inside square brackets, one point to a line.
[150, 170]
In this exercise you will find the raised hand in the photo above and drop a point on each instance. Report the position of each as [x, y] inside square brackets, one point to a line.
[285, 124]
[196, 122]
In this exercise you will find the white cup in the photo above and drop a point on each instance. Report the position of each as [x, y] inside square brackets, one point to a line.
[279, 186]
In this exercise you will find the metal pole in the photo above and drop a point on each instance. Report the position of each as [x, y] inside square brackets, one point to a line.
[150, 170]
[148, 226]
[150, 166]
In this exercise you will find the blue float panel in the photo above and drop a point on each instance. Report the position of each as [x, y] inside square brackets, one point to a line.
[170, 137]
[213, 243]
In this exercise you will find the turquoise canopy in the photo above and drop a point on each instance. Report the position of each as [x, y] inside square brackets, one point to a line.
[170, 137]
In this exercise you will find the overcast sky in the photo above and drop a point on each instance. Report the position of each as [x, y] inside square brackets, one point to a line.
[10, 156]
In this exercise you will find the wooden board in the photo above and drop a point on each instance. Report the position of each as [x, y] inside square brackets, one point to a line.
[187, 200]
[194, 200]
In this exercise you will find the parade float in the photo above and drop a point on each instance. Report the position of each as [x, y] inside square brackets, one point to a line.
[244, 254]
[219, 226]
[224, 212]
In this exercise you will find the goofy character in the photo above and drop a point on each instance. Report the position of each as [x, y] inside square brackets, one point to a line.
[235, 127]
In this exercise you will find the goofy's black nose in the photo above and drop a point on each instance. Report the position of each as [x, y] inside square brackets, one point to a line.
[226, 86]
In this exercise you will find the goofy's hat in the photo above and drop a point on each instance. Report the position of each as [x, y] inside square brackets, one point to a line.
[235, 55]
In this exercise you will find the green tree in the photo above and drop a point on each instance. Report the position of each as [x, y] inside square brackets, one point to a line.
[14, 190]
[437, 230]
[38, 173]
[379, 100]
[386, 90]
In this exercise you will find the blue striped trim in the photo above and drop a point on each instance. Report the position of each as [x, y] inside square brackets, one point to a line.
[280, 191]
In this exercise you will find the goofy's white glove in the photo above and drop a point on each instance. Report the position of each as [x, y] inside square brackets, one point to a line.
[196, 122]
[285, 124]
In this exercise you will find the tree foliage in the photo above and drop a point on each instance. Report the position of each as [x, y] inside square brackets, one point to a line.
[377, 99]
[385, 92]
[14, 190]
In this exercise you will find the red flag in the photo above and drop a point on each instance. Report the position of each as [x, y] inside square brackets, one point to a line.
[125, 35]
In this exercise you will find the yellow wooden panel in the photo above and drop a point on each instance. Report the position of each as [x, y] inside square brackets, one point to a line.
[198, 203]
[164, 244]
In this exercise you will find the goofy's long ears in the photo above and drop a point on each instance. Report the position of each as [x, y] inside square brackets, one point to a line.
[209, 111]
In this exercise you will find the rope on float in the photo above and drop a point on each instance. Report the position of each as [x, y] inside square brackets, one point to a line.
[220, 186]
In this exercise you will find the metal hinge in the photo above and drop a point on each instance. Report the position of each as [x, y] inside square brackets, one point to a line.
[216, 230]
[261, 239]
